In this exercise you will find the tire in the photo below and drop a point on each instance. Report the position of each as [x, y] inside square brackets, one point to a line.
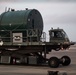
[65, 60]
[53, 62]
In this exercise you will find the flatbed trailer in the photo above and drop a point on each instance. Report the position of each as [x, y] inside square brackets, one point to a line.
[37, 52]
[32, 49]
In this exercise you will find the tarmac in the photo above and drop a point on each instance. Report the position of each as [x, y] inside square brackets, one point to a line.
[43, 70]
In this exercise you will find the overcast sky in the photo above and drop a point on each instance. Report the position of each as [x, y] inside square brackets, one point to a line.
[55, 13]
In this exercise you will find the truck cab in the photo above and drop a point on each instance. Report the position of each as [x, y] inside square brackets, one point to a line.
[59, 37]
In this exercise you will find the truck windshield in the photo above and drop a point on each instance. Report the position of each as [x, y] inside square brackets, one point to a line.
[56, 34]
[64, 34]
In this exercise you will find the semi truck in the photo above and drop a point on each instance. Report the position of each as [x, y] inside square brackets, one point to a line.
[22, 40]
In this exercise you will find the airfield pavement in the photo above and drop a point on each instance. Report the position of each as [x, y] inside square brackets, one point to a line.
[43, 70]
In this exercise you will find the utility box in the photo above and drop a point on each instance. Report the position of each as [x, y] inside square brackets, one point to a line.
[5, 59]
[33, 60]
[24, 60]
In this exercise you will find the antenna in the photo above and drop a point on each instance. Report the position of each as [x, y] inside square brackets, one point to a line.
[58, 28]
[8, 9]
[5, 9]
[52, 28]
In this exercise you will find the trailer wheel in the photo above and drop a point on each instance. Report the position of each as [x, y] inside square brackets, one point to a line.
[65, 60]
[53, 62]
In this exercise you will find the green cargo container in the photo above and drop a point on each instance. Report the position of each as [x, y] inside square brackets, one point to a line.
[19, 22]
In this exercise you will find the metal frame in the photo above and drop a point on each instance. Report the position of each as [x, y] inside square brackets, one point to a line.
[30, 33]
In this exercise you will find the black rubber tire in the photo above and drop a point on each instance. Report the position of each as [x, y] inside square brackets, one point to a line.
[65, 60]
[53, 62]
